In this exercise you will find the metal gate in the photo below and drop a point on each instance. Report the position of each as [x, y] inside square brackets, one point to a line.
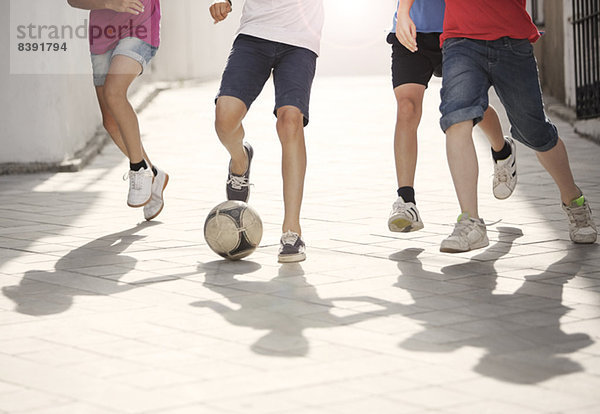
[586, 28]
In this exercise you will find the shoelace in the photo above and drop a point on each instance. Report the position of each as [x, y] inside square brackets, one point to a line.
[502, 175]
[580, 216]
[289, 237]
[400, 207]
[461, 227]
[238, 182]
[135, 178]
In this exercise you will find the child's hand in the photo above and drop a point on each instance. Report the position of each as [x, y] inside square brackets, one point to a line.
[219, 10]
[127, 6]
[406, 32]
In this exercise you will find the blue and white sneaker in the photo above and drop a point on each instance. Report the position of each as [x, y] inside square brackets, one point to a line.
[238, 186]
[404, 217]
[291, 248]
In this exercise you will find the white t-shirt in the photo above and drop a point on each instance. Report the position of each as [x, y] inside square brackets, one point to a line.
[293, 22]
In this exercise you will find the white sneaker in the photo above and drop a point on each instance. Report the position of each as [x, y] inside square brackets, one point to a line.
[156, 203]
[582, 228]
[140, 187]
[404, 217]
[468, 234]
[505, 173]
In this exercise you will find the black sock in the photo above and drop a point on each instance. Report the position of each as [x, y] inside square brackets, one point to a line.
[154, 171]
[407, 194]
[503, 154]
[138, 165]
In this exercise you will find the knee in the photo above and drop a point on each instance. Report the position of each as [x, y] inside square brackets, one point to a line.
[114, 95]
[408, 111]
[290, 123]
[226, 122]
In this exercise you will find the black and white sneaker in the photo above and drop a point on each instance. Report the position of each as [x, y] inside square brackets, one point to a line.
[505, 173]
[238, 186]
[291, 248]
[404, 217]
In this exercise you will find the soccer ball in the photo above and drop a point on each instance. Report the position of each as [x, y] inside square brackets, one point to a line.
[233, 229]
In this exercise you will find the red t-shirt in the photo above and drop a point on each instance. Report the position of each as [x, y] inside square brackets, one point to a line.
[488, 20]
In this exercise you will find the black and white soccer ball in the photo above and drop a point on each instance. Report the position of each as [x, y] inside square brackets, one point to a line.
[233, 229]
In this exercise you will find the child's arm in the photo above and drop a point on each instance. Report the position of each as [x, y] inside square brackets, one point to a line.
[406, 31]
[220, 9]
[128, 6]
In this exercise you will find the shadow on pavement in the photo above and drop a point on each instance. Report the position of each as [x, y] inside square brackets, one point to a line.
[51, 292]
[520, 332]
[276, 306]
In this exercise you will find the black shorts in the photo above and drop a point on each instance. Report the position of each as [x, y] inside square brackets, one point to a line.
[417, 67]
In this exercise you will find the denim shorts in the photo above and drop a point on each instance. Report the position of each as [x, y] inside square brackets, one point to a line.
[471, 67]
[251, 62]
[132, 47]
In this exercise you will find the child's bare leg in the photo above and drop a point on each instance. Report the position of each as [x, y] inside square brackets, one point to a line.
[490, 125]
[110, 124]
[229, 113]
[409, 99]
[464, 168]
[556, 162]
[123, 71]
[290, 129]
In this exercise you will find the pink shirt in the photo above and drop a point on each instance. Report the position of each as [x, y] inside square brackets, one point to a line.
[107, 27]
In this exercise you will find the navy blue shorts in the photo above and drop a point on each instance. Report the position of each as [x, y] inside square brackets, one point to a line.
[251, 62]
[471, 67]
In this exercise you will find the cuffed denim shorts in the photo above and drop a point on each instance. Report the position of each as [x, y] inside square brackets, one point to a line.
[132, 47]
[471, 67]
[251, 62]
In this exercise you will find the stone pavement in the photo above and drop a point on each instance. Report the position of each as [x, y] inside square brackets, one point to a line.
[102, 312]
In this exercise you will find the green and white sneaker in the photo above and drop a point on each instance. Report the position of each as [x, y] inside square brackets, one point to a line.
[469, 234]
[582, 228]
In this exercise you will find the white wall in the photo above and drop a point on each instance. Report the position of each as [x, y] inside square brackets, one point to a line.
[48, 105]
[44, 118]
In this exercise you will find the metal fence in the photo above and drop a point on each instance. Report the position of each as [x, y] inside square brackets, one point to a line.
[586, 27]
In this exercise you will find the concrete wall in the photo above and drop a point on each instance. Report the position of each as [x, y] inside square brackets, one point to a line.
[48, 105]
[44, 118]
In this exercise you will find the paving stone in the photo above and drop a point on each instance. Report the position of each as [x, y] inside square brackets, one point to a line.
[102, 312]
